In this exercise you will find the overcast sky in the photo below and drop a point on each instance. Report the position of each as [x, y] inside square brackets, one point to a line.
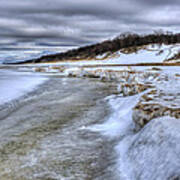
[83, 21]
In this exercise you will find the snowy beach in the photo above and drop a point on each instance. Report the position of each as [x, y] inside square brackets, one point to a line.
[93, 119]
[80, 123]
[89, 90]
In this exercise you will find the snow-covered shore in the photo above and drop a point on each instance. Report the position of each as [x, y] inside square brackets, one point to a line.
[140, 131]
[151, 151]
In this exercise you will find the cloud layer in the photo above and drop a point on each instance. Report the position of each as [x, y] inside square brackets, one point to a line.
[83, 21]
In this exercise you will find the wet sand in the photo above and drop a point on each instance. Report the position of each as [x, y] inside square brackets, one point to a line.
[42, 135]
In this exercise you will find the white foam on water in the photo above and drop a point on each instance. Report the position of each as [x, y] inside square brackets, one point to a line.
[120, 121]
[124, 166]
[119, 127]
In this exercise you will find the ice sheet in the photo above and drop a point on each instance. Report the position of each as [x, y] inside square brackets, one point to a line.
[13, 85]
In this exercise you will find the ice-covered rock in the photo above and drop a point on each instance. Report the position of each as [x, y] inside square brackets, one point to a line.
[163, 100]
[153, 153]
[132, 88]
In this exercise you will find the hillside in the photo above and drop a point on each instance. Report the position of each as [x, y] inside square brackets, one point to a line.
[129, 42]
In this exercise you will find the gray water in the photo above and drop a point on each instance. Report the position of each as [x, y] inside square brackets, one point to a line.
[42, 134]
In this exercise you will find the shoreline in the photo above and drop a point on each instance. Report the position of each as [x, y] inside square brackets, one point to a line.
[73, 126]
[47, 125]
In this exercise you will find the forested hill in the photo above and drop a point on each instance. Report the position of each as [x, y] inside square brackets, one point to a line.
[110, 46]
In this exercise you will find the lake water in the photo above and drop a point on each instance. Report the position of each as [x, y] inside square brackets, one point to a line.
[25, 51]
[42, 135]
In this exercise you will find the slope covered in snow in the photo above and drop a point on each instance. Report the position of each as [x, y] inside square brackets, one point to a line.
[143, 56]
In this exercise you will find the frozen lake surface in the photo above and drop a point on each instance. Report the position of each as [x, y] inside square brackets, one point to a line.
[14, 85]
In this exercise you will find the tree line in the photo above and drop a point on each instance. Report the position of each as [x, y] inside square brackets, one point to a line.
[126, 40]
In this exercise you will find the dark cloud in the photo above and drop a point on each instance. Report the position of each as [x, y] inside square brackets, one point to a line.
[84, 21]
[160, 2]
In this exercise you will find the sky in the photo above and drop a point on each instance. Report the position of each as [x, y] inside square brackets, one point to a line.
[80, 22]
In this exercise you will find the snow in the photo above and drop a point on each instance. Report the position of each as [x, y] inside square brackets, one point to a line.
[152, 153]
[119, 126]
[147, 55]
[13, 85]
[120, 122]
